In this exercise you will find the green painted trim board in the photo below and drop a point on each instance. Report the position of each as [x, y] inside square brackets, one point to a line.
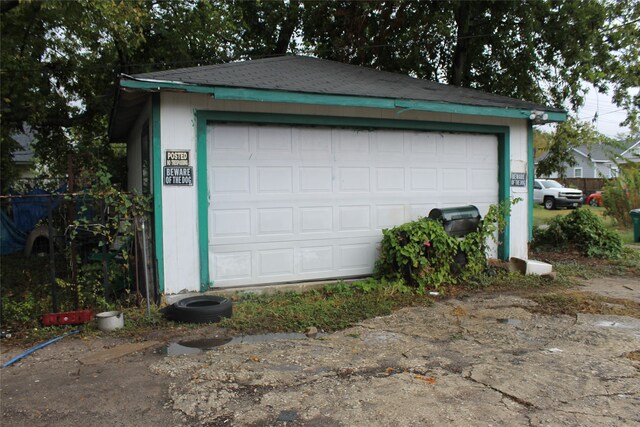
[157, 186]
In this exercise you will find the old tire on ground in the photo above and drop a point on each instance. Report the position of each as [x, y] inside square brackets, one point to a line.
[549, 203]
[200, 309]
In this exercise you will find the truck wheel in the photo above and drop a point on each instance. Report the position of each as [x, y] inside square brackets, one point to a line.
[549, 203]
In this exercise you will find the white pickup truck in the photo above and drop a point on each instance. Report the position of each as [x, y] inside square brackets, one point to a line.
[554, 195]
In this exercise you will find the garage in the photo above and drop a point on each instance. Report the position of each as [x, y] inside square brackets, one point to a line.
[287, 169]
[304, 203]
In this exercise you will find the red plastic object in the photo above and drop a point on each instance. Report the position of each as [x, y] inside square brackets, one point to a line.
[67, 318]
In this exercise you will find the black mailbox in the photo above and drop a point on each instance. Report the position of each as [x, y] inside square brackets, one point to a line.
[458, 221]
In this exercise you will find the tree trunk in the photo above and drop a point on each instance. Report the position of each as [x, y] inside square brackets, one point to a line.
[459, 61]
[287, 28]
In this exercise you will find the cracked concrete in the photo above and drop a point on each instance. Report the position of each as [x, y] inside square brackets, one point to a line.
[481, 361]
[477, 361]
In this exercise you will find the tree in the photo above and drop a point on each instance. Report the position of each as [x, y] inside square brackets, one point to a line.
[60, 60]
[537, 50]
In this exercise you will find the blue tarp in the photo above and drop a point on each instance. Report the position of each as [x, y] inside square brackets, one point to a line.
[11, 238]
[27, 211]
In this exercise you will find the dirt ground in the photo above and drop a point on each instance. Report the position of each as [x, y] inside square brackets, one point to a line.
[479, 360]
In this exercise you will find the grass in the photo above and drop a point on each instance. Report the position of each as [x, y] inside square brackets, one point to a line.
[573, 302]
[341, 305]
[543, 216]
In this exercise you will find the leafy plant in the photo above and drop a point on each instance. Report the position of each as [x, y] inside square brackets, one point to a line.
[422, 254]
[621, 195]
[113, 224]
[583, 230]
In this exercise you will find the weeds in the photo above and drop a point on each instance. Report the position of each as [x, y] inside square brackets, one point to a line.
[331, 308]
[574, 302]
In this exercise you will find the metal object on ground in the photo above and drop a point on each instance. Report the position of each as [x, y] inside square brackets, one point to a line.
[110, 320]
[457, 221]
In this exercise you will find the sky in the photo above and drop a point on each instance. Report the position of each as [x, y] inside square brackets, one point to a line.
[609, 115]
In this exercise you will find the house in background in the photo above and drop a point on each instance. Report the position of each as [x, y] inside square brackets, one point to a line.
[23, 157]
[287, 169]
[596, 162]
[631, 154]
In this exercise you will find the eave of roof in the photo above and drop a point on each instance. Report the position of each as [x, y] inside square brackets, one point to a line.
[244, 94]
[331, 83]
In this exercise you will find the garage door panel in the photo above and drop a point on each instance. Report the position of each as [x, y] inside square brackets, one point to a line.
[454, 179]
[316, 259]
[275, 221]
[454, 146]
[315, 179]
[277, 262]
[350, 144]
[273, 141]
[354, 179]
[230, 223]
[389, 143]
[390, 179]
[316, 219]
[229, 139]
[310, 203]
[483, 179]
[389, 215]
[421, 144]
[230, 180]
[423, 179]
[274, 179]
[353, 218]
[232, 265]
[356, 256]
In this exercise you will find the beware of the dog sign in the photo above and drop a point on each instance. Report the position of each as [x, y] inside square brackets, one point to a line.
[177, 170]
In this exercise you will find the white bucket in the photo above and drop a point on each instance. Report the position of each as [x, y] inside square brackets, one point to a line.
[110, 320]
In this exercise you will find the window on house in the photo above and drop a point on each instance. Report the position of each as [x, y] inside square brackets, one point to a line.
[613, 172]
[577, 172]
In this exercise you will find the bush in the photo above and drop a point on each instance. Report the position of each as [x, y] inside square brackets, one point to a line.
[622, 194]
[583, 230]
[422, 254]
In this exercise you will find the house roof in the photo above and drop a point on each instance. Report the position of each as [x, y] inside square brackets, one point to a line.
[601, 153]
[311, 80]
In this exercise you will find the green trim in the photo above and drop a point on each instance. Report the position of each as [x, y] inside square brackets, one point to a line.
[149, 85]
[531, 173]
[157, 186]
[504, 190]
[204, 117]
[262, 95]
[203, 200]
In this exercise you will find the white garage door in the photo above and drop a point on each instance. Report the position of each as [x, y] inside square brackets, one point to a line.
[297, 203]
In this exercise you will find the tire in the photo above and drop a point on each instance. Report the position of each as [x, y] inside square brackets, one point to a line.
[594, 203]
[200, 309]
[549, 203]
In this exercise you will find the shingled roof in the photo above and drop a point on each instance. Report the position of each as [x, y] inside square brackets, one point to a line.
[319, 76]
[302, 79]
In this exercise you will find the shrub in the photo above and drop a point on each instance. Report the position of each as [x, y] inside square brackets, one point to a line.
[422, 254]
[418, 252]
[622, 194]
[583, 230]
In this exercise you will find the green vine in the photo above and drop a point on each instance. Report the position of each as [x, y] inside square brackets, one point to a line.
[421, 253]
[109, 215]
